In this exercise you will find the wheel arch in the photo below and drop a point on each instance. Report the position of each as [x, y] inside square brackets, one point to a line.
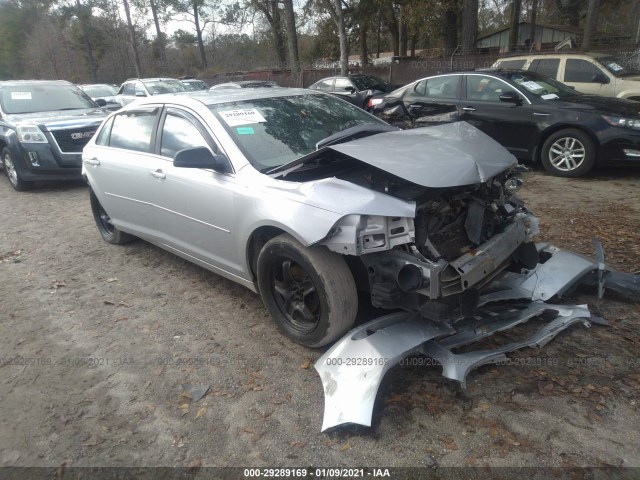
[558, 127]
[258, 238]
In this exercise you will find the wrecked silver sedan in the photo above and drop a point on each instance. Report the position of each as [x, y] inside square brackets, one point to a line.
[306, 199]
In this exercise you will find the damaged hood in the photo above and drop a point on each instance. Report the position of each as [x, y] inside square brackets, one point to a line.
[442, 156]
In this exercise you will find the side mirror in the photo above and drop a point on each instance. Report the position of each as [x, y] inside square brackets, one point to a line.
[140, 94]
[200, 157]
[350, 89]
[101, 102]
[600, 78]
[510, 97]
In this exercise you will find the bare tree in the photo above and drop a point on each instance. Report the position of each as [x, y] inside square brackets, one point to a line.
[193, 11]
[469, 25]
[337, 14]
[271, 11]
[515, 24]
[292, 36]
[590, 24]
[132, 39]
[83, 14]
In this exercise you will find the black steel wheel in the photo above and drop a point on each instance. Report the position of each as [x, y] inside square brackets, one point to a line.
[107, 230]
[309, 292]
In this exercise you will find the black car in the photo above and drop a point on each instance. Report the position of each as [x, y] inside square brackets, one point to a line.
[535, 117]
[44, 125]
[356, 89]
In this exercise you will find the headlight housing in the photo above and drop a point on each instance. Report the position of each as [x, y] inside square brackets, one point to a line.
[30, 134]
[622, 122]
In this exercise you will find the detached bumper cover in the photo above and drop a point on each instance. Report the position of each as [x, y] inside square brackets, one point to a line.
[351, 371]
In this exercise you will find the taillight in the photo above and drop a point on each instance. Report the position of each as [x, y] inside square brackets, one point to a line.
[374, 101]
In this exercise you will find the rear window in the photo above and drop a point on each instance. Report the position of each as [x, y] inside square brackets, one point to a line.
[515, 64]
[43, 98]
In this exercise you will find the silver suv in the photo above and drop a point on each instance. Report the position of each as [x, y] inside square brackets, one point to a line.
[136, 88]
[595, 73]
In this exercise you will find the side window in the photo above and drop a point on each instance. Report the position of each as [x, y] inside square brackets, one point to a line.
[140, 89]
[179, 133]
[580, 71]
[545, 66]
[132, 130]
[421, 87]
[103, 136]
[484, 88]
[443, 87]
[325, 85]
[342, 84]
[128, 89]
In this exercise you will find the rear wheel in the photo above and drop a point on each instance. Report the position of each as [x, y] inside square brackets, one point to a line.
[309, 292]
[107, 230]
[568, 153]
[15, 180]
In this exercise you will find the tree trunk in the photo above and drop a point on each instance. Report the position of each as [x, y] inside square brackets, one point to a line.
[515, 23]
[278, 35]
[403, 37]
[196, 19]
[364, 50]
[469, 25]
[392, 25]
[132, 39]
[590, 24]
[342, 33]
[532, 21]
[84, 22]
[450, 32]
[378, 34]
[159, 44]
[292, 37]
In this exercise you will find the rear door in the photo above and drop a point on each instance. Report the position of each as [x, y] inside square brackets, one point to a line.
[434, 100]
[509, 124]
[120, 169]
[547, 66]
[588, 77]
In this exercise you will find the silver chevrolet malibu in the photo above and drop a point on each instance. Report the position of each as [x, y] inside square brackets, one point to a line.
[307, 199]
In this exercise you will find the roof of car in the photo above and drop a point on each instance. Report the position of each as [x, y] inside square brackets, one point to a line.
[519, 55]
[213, 97]
[152, 79]
[10, 83]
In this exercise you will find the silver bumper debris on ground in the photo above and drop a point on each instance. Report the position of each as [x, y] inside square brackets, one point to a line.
[351, 371]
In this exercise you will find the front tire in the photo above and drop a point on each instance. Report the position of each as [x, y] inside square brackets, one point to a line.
[568, 153]
[18, 184]
[309, 291]
[107, 230]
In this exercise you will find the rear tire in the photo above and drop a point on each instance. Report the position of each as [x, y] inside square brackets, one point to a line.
[107, 230]
[18, 184]
[568, 153]
[309, 291]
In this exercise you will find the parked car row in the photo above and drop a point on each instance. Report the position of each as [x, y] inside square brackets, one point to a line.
[535, 117]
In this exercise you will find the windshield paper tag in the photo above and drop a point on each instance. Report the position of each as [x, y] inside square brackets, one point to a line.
[531, 85]
[549, 96]
[615, 67]
[242, 117]
[20, 95]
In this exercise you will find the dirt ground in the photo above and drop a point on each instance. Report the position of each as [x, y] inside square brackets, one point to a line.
[101, 343]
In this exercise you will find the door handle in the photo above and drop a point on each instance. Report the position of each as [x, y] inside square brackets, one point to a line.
[415, 105]
[92, 161]
[468, 109]
[158, 173]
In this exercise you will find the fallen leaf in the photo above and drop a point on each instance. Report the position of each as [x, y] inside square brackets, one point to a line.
[248, 430]
[484, 406]
[306, 364]
[345, 447]
[110, 280]
[120, 319]
[201, 412]
[449, 443]
[185, 408]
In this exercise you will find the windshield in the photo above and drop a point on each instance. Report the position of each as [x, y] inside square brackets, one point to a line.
[274, 131]
[96, 91]
[540, 86]
[365, 82]
[156, 87]
[618, 66]
[43, 98]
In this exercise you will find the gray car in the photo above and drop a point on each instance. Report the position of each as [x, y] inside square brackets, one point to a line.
[307, 199]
